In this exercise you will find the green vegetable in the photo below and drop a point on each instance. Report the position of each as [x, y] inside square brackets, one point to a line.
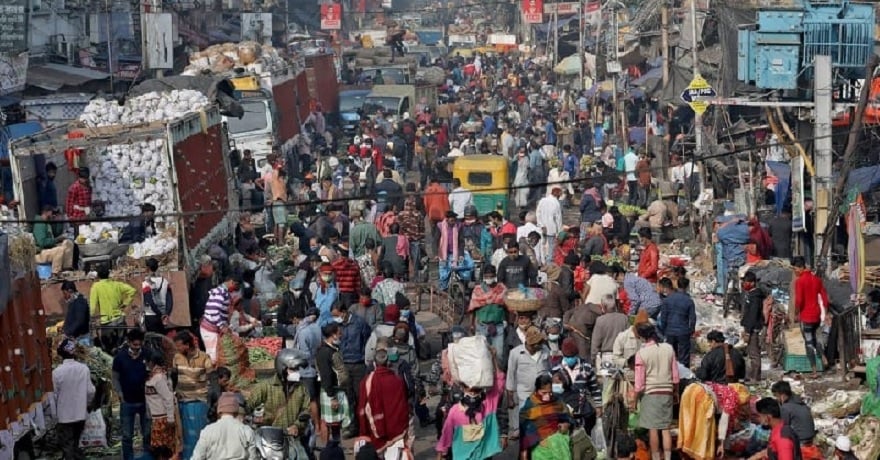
[259, 355]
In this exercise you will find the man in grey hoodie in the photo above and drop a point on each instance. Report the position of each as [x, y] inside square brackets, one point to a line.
[795, 413]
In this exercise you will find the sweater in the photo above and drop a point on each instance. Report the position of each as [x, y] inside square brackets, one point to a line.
[656, 369]
[606, 330]
[808, 291]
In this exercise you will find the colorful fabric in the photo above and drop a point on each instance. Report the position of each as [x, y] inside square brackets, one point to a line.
[163, 435]
[217, 307]
[77, 195]
[728, 398]
[348, 276]
[340, 416]
[540, 420]
[696, 423]
[448, 238]
[556, 447]
[855, 221]
[194, 418]
[484, 295]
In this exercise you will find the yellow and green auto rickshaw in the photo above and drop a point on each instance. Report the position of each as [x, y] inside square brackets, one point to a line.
[487, 177]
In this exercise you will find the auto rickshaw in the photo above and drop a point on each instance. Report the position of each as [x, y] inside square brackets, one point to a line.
[487, 177]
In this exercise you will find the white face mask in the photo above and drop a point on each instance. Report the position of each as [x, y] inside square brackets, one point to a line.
[338, 319]
[553, 337]
[297, 292]
[293, 376]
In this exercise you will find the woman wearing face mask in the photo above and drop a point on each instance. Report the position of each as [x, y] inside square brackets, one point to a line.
[473, 427]
[544, 423]
[553, 330]
[294, 305]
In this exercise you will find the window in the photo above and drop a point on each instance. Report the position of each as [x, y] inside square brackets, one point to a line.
[254, 118]
[480, 178]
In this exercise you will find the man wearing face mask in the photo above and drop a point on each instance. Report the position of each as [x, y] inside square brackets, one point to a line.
[286, 397]
[333, 374]
[129, 377]
[326, 293]
[355, 334]
[294, 305]
[523, 366]
[487, 310]
[516, 269]
[582, 376]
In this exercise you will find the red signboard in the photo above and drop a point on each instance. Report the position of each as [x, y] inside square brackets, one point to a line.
[331, 16]
[533, 11]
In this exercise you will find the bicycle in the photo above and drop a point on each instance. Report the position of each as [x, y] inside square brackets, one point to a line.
[732, 295]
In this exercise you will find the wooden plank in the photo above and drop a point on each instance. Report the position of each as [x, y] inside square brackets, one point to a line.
[56, 306]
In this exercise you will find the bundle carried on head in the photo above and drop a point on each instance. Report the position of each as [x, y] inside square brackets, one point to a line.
[470, 362]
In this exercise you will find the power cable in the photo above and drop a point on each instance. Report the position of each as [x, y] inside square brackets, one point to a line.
[511, 188]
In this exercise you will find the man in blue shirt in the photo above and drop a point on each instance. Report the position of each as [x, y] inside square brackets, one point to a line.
[129, 377]
[678, 318]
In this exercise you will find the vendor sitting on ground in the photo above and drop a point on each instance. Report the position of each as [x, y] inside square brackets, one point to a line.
[53, 249]
[723, 363]
[141, 227]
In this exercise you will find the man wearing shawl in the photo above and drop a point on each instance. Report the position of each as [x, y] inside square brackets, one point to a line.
[383, 408]
[487, 309]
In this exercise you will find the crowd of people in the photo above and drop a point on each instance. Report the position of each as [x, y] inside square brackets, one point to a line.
[358, 230]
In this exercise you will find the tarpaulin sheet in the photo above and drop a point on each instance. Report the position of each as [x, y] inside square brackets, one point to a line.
[5, 273]
[863, 179]
[782, 171]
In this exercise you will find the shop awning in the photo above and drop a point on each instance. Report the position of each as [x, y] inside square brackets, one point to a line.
[53, 77]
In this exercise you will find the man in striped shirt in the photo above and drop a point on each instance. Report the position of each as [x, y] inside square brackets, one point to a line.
[216, 317]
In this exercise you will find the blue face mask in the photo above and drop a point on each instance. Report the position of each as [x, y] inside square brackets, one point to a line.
[570, 361]
[404, 314]
[558, 389]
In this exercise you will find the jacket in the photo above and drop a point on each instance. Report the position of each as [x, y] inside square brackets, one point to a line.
[606, 330]
[753, 311]
[649, 263]
[808, 290]
[436, 202]
[76, 321]
[712, 367]
[226, 439]
[44, 237]
[328, 360]
[797, 415]
[678, 315]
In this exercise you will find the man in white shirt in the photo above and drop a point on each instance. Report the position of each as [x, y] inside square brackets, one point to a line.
[549, 214]
[460, 197]
[529, 226]
[227, 438]
[630, 160]
[600, 284]
[72, 382]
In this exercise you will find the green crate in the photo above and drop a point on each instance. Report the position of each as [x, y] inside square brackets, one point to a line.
[800, 363]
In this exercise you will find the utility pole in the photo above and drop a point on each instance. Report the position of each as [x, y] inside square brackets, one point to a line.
[664, 40]
[855, 132]
[581, 13]
[822, 154]
[613, 66]
[698, 118]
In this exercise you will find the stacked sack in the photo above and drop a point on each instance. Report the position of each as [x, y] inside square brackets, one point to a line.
[470, 362]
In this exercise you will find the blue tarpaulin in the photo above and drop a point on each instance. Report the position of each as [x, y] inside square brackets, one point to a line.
[863, 179]
[15, 131]
[429, 37]
[783, 188]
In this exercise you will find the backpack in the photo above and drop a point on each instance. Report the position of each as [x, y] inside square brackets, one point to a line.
[159, 291]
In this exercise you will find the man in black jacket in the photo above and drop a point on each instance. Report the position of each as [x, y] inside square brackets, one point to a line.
[76, 322]
[752, 322]
[334, 379]
[714, 367]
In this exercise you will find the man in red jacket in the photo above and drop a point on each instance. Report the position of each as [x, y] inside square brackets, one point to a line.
[383, 407]
[436, 200]
[808, 292]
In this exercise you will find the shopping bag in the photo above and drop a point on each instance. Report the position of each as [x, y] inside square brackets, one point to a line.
[95, 432]
[598, 436]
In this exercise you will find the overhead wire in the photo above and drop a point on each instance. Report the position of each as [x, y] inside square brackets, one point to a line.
[365, 197]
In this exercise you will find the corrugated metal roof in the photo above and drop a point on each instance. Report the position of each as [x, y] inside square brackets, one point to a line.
[54, 76]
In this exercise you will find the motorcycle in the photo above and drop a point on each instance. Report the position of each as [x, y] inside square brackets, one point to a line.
[277, 444]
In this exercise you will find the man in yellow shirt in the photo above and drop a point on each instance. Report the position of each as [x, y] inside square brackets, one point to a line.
[108, 300]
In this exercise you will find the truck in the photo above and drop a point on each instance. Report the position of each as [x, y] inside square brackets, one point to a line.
[351, 101]
[27, 402]
[190, 169]
[392, 74]
[323, 83]
[397, 100]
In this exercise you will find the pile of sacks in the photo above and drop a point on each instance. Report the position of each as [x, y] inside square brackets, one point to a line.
[224, 57]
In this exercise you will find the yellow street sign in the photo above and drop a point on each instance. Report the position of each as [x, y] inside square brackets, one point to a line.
[699, 107]
[699, 83]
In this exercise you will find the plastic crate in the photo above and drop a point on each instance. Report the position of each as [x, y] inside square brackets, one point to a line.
[800, 363]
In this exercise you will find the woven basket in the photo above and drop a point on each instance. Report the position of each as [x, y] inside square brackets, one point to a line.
[530, 302]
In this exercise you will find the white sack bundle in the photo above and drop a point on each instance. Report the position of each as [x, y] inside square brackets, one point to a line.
[470, 362]
[153, 246]
[147, 108]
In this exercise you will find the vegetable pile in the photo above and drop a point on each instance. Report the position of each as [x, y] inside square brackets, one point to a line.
[630, 210]
[264, 349]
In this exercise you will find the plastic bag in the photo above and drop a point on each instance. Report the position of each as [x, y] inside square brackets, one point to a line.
[598, 436]
[95, 432]
[470, 362]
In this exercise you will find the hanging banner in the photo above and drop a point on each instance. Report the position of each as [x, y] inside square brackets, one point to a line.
[593, 13]
[13, 26]
[855, 226]
[331, 16]
[798, 215]
[533, 11]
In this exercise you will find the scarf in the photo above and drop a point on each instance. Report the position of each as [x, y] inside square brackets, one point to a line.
[444, 241]
[539, 420]
[487, 295]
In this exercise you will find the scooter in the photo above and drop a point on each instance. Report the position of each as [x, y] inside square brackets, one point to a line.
[276, 444]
